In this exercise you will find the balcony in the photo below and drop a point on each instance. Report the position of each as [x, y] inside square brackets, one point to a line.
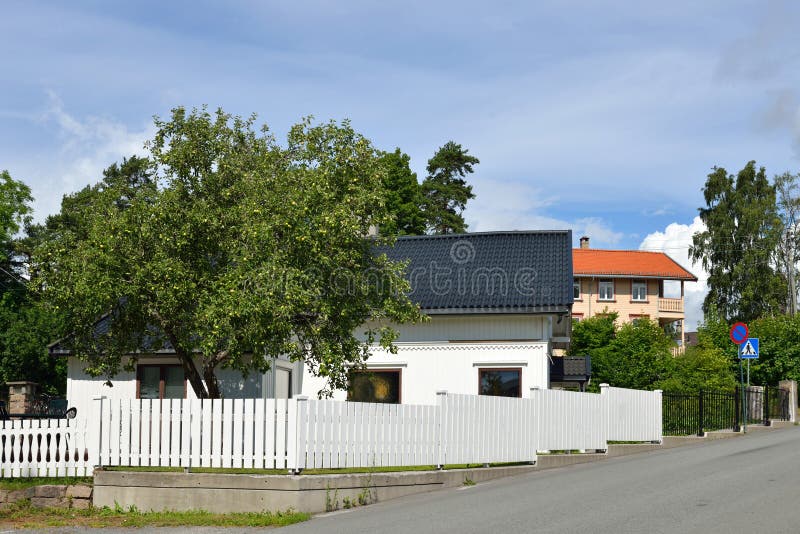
[670, 305]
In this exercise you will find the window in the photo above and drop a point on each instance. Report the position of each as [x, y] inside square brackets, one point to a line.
[639, 291]
[577, 317]
[500, 382]
[576, 290]
[605, 290]
[160, 382]
[375, 386]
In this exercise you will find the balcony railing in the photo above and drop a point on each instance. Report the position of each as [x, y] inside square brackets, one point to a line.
[670, 305]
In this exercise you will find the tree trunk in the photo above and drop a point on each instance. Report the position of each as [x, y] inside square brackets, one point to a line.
[212, 384]
[193, 375]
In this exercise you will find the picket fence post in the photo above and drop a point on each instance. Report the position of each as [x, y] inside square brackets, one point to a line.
[441, 428]
[301, 433]
[658, 393]
[537, 416]
[605, 394]
[95, 434]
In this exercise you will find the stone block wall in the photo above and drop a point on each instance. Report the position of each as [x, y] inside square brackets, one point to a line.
[78, 496]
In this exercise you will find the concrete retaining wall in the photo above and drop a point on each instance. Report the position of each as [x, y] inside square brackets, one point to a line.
[250, 493]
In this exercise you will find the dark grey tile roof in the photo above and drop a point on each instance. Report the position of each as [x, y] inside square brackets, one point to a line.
[491, 272]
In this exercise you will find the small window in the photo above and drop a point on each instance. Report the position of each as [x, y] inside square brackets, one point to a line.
[639, 291]
[606, 290]
[161, 382]
[375, 386]
[576, 318]
[500, 382]
[576, 290]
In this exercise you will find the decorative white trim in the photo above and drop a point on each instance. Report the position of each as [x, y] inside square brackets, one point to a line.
[386, 365]
[465, 346]
[516, 363]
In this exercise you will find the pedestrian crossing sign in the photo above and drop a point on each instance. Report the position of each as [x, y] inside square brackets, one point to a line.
[749, 349]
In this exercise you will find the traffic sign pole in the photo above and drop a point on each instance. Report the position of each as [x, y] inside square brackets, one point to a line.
[738, 335]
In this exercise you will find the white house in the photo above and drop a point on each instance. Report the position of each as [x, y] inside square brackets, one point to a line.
[494, 300]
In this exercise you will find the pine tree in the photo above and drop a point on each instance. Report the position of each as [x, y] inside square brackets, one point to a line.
[446, 191]
[403, 196]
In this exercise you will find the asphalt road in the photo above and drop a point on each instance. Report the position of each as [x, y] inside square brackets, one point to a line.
[748, 484]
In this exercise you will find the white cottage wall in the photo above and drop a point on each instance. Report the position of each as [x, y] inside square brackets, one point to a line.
[454, 367]
[82, 388]
[447, 352]
[444, 353]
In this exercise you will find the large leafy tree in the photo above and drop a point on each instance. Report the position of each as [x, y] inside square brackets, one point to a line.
[15, 212]
[738, 246]
[787, 190]
[403, 196]
[445, 189]
[25, 327]
[234, 248]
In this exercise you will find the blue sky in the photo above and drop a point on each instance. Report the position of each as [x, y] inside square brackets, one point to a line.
[603, 117]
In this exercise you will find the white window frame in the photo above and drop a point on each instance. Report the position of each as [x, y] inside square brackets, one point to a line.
[576, 284]
[638, 284]
[605, 284]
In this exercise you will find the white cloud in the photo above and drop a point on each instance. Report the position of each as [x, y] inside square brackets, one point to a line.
[84, 146]
[512, 205]
[675, 241]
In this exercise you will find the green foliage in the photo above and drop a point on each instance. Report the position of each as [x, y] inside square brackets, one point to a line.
[15, 199]
[23, 515]
[15, 210]
[632, 355]
[638, 357]
[403, 196]
[231, 247]
[779, 350]
[787, 191]
[700, 367]
[446, 191]
[738, 247]
[28, 328]
[591, 334]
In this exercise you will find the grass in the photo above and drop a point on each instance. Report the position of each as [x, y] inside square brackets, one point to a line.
[23, 515]
[340, 471]
[22, 483]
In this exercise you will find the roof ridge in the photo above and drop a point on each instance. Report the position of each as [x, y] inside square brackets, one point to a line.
[477, 234]
[619, 250]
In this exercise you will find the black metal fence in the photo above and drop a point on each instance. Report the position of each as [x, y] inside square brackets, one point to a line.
[697, 413]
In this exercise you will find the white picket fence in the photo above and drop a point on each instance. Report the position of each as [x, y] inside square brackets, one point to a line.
[300, 433]
[633, 415]
[46, 448]
[228, 433]
[569, 420]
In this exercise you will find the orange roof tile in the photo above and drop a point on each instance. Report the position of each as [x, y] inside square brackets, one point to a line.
[627, 263]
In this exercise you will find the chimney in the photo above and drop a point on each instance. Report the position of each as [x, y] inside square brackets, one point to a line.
[585, 242]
